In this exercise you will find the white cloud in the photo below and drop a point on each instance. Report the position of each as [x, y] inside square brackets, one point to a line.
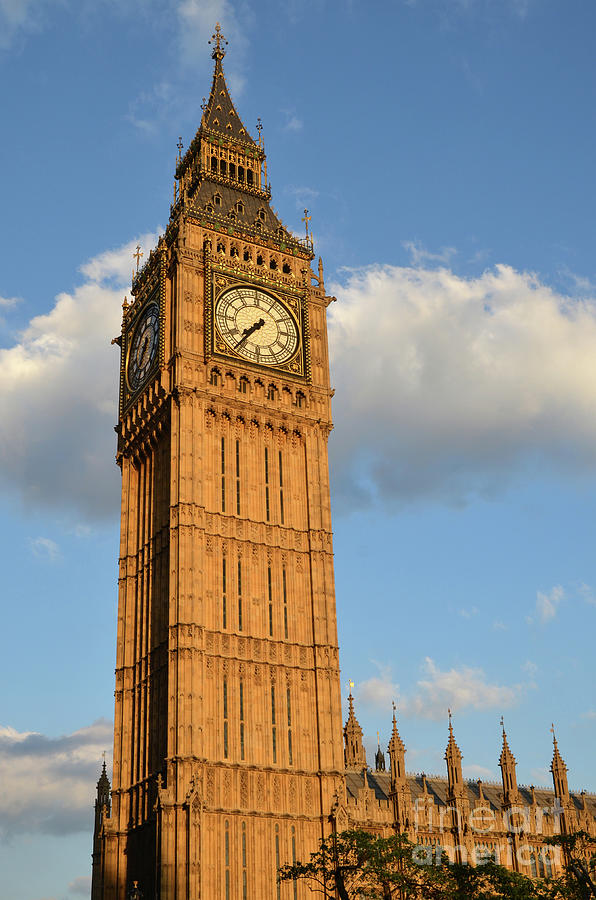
[8, 302]
[292, 122]
[48, 784]
[449, 386]
[547, 605]
[473, 770]
[59, 394]
[456, 689]
[81, 885]
[468, 613]
[419, 255]
[437, 691]
[380, 690]
[45, 548]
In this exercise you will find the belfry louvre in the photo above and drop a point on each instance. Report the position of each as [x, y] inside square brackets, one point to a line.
[229, 756]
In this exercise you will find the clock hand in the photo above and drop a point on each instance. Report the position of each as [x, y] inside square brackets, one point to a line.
[145, 343]
[248, 331]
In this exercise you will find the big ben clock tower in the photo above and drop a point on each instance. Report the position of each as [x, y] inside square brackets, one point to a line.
[227, 733]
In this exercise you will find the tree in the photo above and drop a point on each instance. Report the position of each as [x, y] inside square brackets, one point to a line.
[579, 857]
[354, 865]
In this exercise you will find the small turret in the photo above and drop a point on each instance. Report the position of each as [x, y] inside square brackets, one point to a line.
[379, 756]
[508, 771]
[354, 753]
[397, 754]
[453, 758]
[559, 773]
[103, 796]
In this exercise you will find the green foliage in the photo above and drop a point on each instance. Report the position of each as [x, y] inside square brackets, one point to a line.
[357, 865]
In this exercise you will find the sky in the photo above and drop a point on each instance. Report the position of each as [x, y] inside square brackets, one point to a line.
[444, 149]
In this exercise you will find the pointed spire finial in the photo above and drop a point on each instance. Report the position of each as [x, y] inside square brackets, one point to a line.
[260, 129]
[450, 723]
[503, 726]
[218, 38]
[180, 145]
[552, 731]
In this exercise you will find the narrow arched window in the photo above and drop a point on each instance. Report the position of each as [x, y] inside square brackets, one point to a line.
[273, 263]
[222, 167]
[247, 255]
[243, 385]
[227, 858]
[244, 864]
[300, 399]
[270, 598]
[241, 720]
[241, 173]
[271, 392]
[273, 724]
[249, 177]
[215, 378]
[225, 718]
[214, 163]
[286, 269]
[277, 862]
[285, 598]
[259, 260]
[232, 170]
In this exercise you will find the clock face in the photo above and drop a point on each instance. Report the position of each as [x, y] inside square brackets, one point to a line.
[256, 325]
[143, 347]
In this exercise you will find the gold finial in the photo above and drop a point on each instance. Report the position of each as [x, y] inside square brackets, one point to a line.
[125, 303]
[180, 145]
[104, 756]
[204, 104]
[503, 725]
[219, 39]
[350, 686]
[138, 256]
[259, 129]
[306, 219]
[378, 740]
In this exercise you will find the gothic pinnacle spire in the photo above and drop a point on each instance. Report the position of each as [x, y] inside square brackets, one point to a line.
[354, 753]
[219, 41]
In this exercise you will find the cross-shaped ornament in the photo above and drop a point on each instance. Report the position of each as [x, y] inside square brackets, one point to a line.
[350, 685]
[180, 145]
[306, 219]
[259, 129]
[138, 256]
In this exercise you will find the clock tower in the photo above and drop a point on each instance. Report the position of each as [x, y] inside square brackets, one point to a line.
[227, 732]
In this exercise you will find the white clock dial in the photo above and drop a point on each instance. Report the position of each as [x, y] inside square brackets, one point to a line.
[256, 325]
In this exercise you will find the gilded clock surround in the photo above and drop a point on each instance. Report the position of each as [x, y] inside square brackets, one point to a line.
[221, 280]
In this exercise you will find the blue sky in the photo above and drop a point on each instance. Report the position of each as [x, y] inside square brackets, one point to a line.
[445, 149]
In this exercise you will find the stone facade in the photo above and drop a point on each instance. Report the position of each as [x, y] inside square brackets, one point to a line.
[228, 751]
[470, 821]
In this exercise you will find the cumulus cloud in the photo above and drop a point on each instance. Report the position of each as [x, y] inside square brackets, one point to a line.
[438, 690]
[59, 394]
[447, 386]
[547, 605]
[48, 784]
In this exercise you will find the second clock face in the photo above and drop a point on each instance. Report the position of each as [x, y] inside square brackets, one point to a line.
[143, 348]
[256, 325]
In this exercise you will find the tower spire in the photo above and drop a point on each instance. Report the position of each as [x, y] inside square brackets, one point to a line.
[559, 771]
[397, 752]
[508, 771]
[354, 753]
[453, 758]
